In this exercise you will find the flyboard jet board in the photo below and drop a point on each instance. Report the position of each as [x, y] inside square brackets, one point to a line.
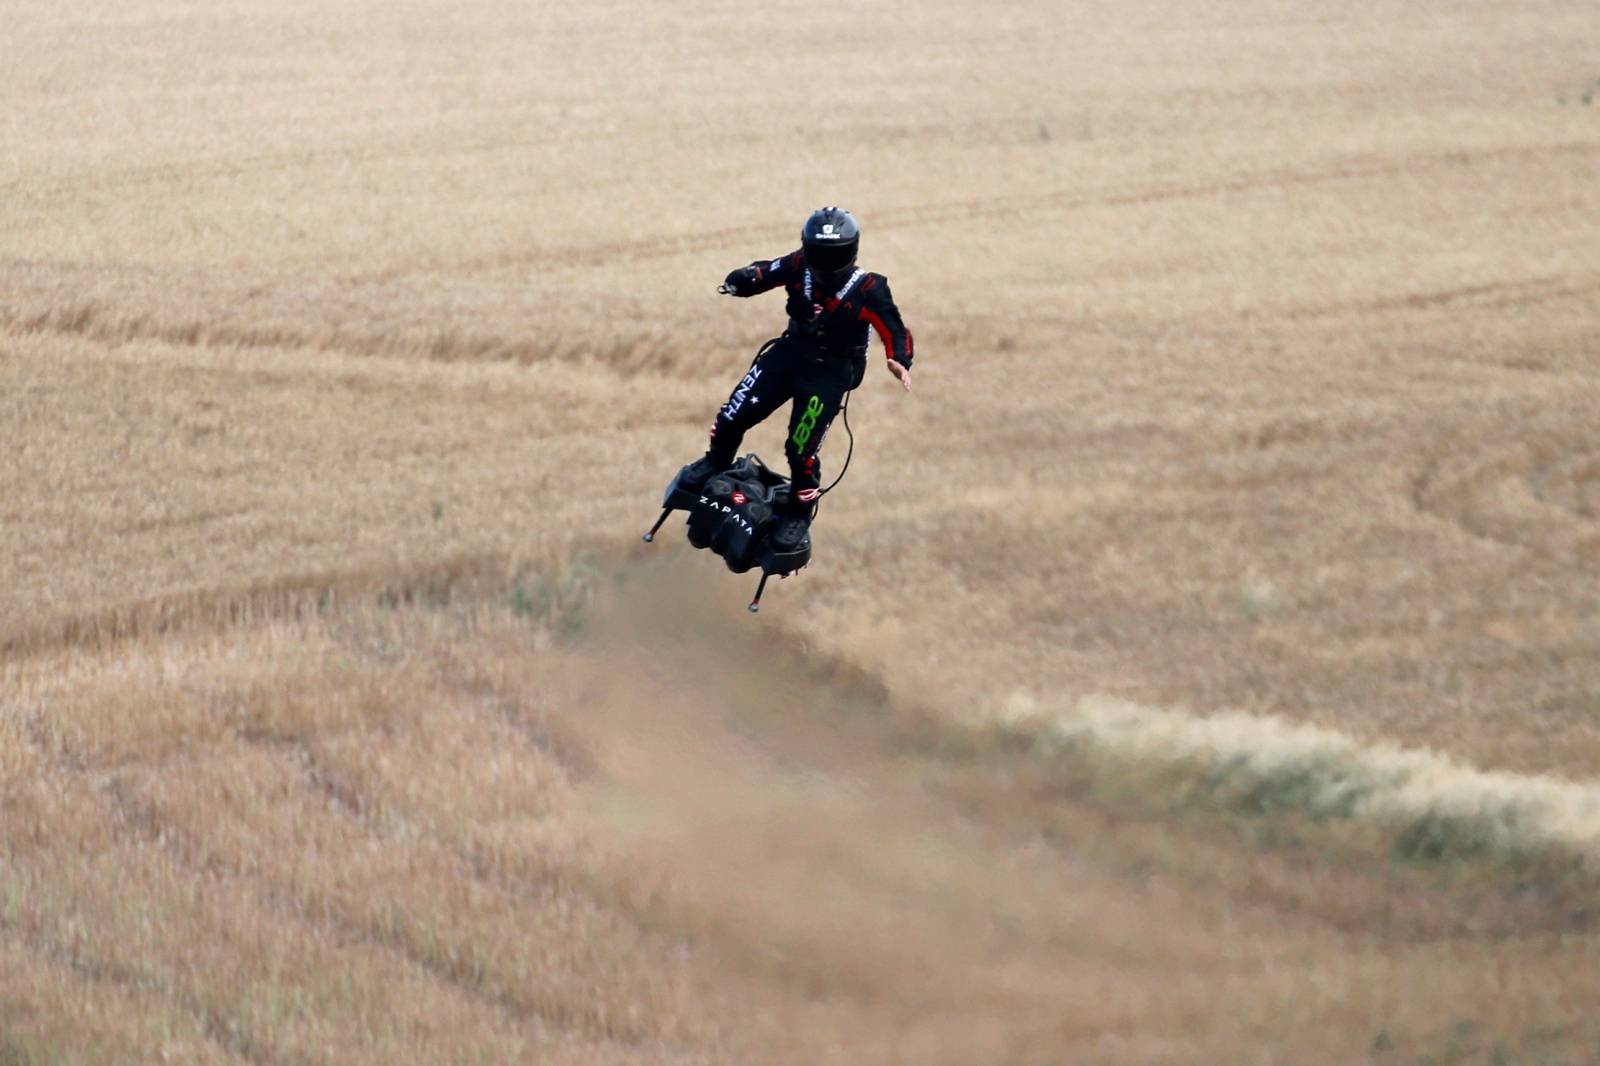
[735, 515]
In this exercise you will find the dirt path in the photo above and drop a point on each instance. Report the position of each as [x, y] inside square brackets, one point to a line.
[880, 887]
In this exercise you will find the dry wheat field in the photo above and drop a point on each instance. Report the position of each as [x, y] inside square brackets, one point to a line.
[1202, 665]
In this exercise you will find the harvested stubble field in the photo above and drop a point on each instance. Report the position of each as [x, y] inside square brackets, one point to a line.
[1202, 665]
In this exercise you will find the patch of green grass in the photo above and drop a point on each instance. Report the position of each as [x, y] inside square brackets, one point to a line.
[561, 599]
[1429, 808]
[1465, 1043]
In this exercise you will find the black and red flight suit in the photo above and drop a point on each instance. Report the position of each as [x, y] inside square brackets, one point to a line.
[819, 358]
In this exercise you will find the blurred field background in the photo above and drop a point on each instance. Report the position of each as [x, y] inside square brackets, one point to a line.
[1202, 665]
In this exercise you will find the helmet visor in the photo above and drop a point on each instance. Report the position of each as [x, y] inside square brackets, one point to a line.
[829, 258]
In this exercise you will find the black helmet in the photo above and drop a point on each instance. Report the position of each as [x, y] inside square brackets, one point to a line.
[830, 239]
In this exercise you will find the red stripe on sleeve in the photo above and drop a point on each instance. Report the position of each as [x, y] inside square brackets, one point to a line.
[883, 331]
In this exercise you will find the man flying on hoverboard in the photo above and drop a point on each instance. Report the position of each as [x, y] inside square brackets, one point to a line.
[833, 305]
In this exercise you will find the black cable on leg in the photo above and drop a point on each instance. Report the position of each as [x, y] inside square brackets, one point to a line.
[844, 413]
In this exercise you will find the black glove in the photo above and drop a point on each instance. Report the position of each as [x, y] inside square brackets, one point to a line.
[739, 282]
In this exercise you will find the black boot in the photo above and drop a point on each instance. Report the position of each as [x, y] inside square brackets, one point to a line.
[697, 473]
[793, 525]
[791, 533]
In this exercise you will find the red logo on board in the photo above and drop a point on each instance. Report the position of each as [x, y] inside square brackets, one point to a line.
[738, 497]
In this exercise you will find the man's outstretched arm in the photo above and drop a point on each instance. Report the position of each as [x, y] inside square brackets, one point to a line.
[761, 276]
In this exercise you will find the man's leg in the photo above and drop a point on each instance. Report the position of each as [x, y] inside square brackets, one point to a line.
[818, 395]
[760, 392]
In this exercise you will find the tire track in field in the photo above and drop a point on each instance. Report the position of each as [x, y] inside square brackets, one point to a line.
[274, 599]
[1520, 293]
[1350, 168]
[74, 955]
[88, 967]
[1529, 487]
[192, 174]
[137, 815]
[369, 812]
[1025, 206]
[625, 355]
[644, 354]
